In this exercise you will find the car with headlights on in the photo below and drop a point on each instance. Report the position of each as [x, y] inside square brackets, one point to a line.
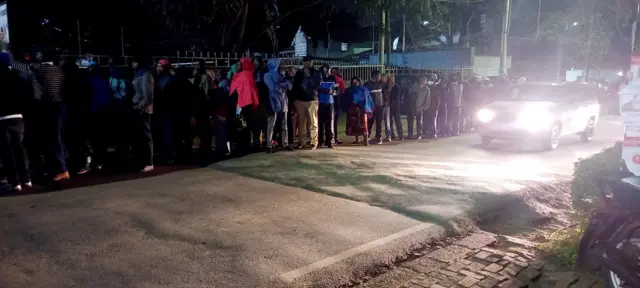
[542, 112]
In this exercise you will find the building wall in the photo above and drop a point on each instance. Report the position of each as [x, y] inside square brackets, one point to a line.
[436, 59]
[488, 66]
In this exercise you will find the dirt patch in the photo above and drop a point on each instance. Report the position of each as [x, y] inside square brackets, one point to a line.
[530, 211]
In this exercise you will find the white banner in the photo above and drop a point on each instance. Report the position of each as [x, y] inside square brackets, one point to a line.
[630, 110]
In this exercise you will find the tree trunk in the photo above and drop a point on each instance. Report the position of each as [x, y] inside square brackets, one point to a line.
[243, 23]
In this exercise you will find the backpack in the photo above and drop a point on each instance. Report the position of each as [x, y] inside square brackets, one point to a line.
[120, 88]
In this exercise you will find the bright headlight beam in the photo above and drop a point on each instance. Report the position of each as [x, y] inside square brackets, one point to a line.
[485, 115]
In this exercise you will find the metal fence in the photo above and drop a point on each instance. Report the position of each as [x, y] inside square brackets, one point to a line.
[225, 60]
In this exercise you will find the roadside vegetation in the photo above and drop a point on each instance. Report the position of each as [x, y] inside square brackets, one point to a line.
[591, 177]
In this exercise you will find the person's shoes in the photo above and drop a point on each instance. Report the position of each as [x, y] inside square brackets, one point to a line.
[337, 142]
[289, 148]
[28, 185]
[379, 142]
[4, 182]
[301, 146]
[389, 139]
[314, 147]
[84, 170]
[62, 176]
[17, 189]
[401, 138]
[330, 145]
[148, 168]
[366, 142]
[456, 134]
[419, 138]
[269, 150]
[99, 167]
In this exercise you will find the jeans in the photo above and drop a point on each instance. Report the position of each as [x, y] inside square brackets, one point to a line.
[143, 140]
[222, 136]
[395, 117]
[55, 154]
[430, 118]
[271, 125]
[380, 115]
[12, 152]
[418, 117]
[441, 122]
[453, 120]
[307, 122]
[325, 125]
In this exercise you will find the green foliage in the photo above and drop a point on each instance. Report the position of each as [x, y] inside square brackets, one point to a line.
[594, 174]
[562, 247]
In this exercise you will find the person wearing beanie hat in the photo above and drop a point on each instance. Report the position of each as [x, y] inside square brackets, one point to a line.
[12, 152]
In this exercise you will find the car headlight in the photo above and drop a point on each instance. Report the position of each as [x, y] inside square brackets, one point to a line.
[486, 115]
[535, 119]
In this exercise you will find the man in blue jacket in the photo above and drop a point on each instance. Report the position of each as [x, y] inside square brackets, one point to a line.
[278, 103]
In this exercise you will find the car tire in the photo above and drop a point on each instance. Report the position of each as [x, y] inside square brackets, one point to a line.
[552, 139]
[587, 134]
[486, 140]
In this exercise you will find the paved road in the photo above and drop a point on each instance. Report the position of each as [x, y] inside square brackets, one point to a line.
[207, 228]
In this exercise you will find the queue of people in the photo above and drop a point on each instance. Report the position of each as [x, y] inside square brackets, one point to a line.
[58, 119]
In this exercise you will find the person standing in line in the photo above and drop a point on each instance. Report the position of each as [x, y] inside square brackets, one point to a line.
[307, 82]
[292, 116]
[375, 85]
[326, 94]
[442, 123]
[164, 110]
[202, 108]
[420, 97]
[337, 102]
[454, 104]
[15, 92]
[431, 115]
[143, 86]
[360, 107]
[395, 98]
[278, 103]
[50, 79]
[100, 100]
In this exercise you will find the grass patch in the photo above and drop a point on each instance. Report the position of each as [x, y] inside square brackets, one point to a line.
[562, 245]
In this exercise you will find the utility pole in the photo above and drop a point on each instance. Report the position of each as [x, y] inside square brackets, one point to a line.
[634, 29]
[79, 40]
[389, 38]
[505, 38]
[383, 29]
[404, 27]
[122, 39]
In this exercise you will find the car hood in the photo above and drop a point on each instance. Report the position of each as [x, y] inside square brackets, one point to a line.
[514, 106]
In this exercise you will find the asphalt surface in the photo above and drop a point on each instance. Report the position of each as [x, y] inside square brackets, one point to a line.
[207, 228]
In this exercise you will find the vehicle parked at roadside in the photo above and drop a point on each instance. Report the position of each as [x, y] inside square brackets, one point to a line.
[542, 112]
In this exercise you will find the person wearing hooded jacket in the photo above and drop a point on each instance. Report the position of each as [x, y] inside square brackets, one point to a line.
[277, 106]
[15, 92]
[454, 104]
[420, 100]
[143, 86]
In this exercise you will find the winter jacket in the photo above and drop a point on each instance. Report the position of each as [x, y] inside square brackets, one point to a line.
[421, 98]
[144, 86]
[244, 84]
[376, 90]
[278, 88]
[395, 97]
[327, 90]
[164, 97]
[50, 79]
[306, 87]
[101, 94]
[455, 97]
[15, 93]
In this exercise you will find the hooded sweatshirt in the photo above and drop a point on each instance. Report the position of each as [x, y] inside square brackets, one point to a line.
[307, 86]
[143, 85]
[278, 86]
[244, 84]
[101, 94]
[15, 92]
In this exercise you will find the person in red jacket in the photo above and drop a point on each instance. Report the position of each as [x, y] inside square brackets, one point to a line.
[244, 83]
[335, 72]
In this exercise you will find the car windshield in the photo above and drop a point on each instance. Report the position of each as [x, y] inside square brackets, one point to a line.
[533, 93]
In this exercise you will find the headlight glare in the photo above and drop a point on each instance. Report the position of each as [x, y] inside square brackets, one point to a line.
[485, 115]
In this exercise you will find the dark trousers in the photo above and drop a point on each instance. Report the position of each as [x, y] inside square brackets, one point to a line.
[325, 123]
[222, 136]
[416, 116]
[441, 121]
[142, 138]
[430, 118]
[99, 136]
[380, 115]
[163, 123]
[13, 153]
[336, 117]
[77, 133]
[453, 120]
[395, 117]
[292, 126]
[55, 154]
